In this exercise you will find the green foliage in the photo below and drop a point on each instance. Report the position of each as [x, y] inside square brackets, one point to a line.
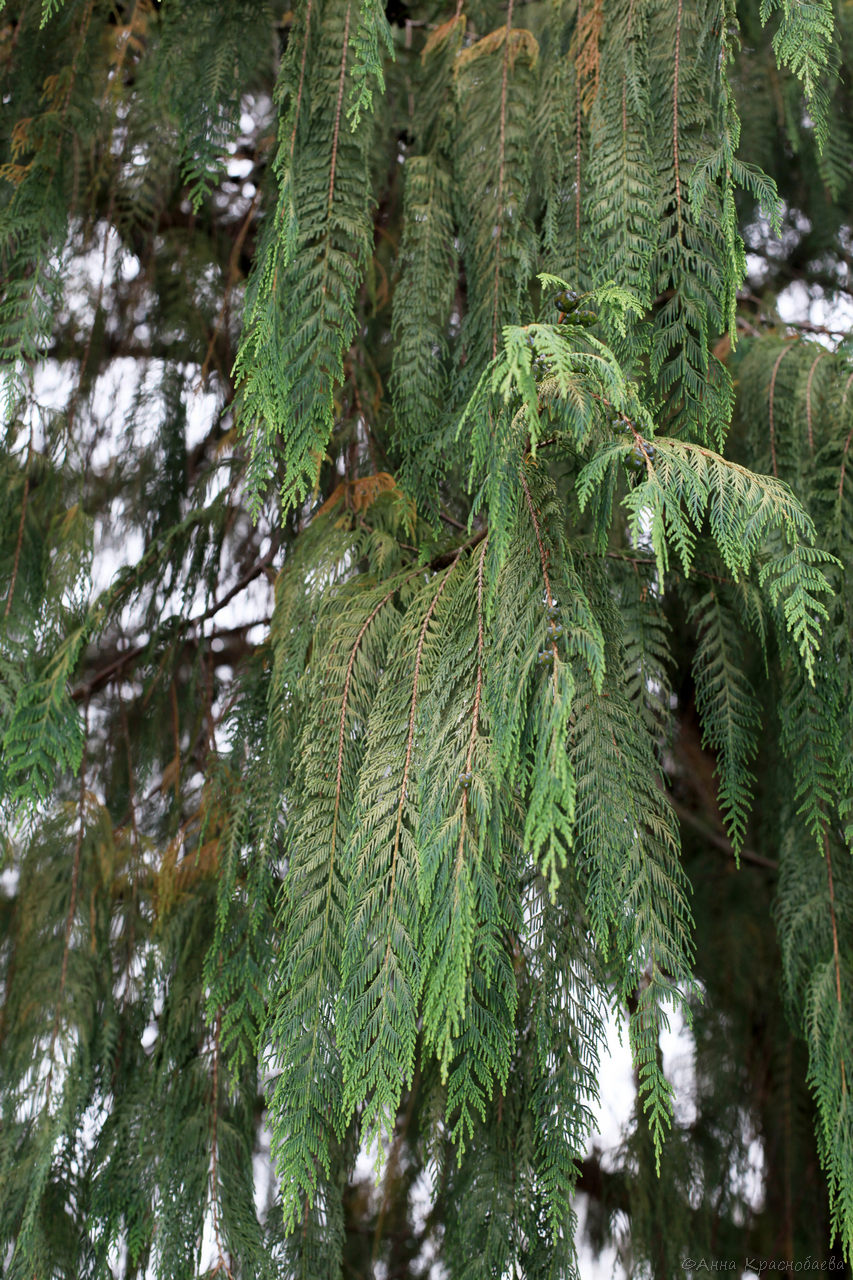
[307, 1101]
[422, 304]
[492, 184]
[44, 732]
[803, 41]
[635, 886]
[381, 965]
[425, 621]
[300, 317]
[372, 42]
[224, 49]
[728, 708]
[621, 200]
[815, 930]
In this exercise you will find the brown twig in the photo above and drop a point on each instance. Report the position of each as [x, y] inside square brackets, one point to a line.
[820, 356]
[649, 563]
[675, 117]
[113, 669]
[579, 29]
[835, 954]
[451, 520]
[501, 171]
[136, 844]
[475, 714]
[445, 558]
[105, 674]
[297, 106]
[19, 541]
[222, 1265]
[338, 109]
[625, 82]
[779, 359]
[846, 442]
[298, 102]
[249, 576]
[345, 702]
[544, 560]
[808, 326]
[540, 544]
[411, 738]
[72, 909]
[233, 269]
[720, 841]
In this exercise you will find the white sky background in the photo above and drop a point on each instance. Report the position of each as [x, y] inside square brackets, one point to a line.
[112, 401]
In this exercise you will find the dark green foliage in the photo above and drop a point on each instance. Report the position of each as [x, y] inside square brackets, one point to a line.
[425, 622]
[300, 319]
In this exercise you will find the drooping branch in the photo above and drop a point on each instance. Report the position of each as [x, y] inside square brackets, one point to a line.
[675, 140]
[411, 731]
[835, 955]
[820, 356]
[501, 174]
[779, 359]
[19, 540]
[72, 911]
[475, 713]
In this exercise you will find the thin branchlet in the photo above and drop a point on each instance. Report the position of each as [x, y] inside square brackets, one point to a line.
[499, 216]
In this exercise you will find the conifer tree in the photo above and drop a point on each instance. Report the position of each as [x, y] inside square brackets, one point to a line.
[425, 635]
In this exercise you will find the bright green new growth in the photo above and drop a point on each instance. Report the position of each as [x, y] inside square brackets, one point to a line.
[541, 524]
